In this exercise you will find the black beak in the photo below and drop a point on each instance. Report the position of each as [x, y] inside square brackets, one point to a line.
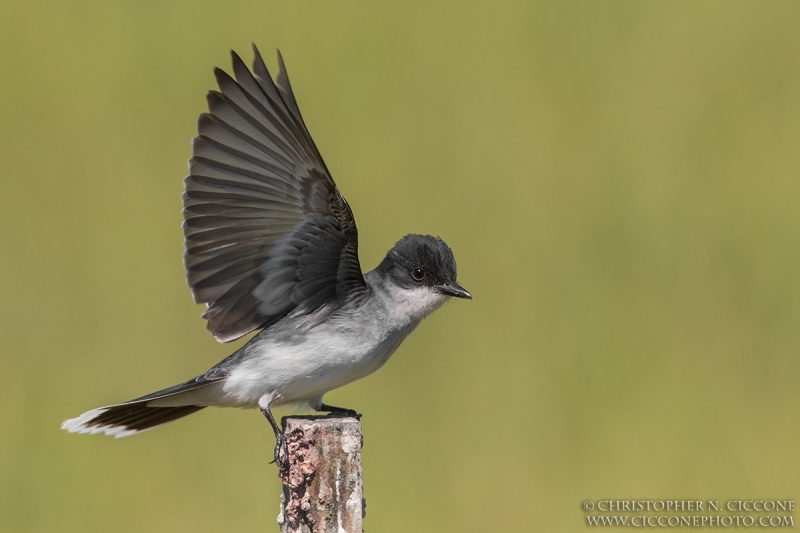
[454, 289]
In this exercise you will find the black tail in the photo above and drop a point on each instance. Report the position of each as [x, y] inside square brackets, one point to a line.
[138, 415]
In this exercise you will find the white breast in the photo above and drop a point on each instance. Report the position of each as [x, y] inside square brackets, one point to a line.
[347, 347]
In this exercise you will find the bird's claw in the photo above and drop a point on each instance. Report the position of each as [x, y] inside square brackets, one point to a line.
[281, 455]
[345, 413]
[339, 412]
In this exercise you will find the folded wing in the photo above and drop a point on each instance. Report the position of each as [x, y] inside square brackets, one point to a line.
[267, 231]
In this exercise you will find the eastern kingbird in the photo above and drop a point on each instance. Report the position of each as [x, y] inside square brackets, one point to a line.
[271, 244]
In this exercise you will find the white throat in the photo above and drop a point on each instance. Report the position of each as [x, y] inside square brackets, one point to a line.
[416, 303]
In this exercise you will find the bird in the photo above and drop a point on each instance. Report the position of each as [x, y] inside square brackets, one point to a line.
[271, 245]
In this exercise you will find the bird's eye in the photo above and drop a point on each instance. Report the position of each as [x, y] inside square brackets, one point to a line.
[418, 274]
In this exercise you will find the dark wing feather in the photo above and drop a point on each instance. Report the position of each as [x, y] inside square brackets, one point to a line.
[267, 231]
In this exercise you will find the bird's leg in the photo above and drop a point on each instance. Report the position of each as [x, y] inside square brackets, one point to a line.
[281, 456]
[337, 411]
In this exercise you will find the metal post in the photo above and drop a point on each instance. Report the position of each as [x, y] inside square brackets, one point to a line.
[322, 491]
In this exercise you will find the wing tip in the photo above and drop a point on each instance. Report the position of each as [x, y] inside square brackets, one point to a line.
[222, 77]
[283, 76]
[238, 62]
[258, 61]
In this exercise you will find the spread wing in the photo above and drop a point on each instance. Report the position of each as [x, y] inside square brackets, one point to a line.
[267, 231]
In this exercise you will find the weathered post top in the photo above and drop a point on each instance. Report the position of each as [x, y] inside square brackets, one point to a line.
[322, 490]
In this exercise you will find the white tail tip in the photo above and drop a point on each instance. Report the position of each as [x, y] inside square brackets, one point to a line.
[82, 424]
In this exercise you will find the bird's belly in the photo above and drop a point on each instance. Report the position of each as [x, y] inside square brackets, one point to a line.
[306, 370]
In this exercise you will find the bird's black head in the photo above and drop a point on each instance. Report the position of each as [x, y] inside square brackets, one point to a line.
[423, 261]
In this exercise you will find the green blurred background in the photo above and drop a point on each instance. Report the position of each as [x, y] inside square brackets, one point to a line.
[618, 180]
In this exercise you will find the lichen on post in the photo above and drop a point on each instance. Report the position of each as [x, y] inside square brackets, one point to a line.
[322, 489]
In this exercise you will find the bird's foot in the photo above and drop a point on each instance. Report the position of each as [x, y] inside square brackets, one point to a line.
[339, 412]
[281, 456]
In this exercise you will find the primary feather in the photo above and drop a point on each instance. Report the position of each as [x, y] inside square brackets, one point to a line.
[267, 231]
